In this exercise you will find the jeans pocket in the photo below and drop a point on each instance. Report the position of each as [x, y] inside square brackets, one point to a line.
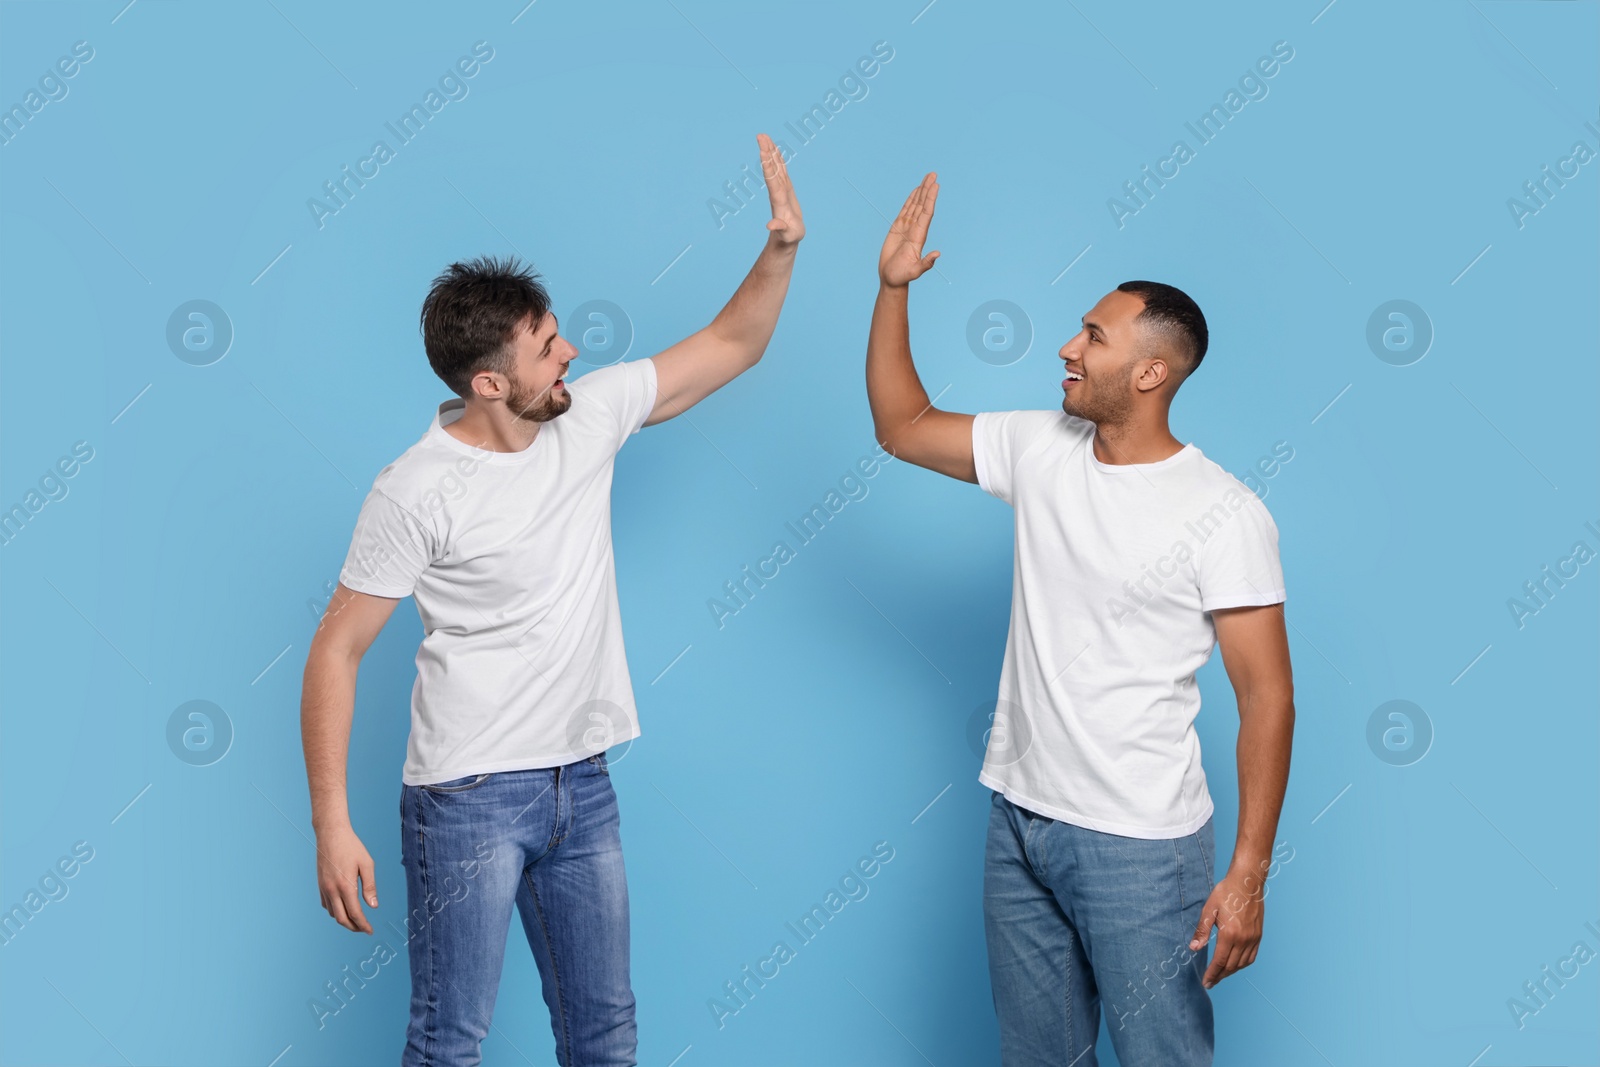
[459, 785]
[599, 760]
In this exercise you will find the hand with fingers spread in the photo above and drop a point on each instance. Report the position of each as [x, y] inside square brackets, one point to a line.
[1237, 909]
[786, 227]
[901, 262]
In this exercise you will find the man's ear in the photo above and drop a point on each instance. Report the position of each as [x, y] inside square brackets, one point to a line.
[1154, 374]
[491, 388]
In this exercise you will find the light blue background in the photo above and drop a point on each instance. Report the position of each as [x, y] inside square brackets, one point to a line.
[188, 558]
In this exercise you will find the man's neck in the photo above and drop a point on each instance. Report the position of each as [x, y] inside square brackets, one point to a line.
[478, 429]
[1124, 444]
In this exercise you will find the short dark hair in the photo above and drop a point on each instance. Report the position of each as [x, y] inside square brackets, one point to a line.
[471, 315]
[1169, 311]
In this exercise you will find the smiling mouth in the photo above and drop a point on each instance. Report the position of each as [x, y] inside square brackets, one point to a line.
[1070, 379]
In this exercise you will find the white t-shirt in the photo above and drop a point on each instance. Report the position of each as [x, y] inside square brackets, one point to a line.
[508, 555]
[1117, 569]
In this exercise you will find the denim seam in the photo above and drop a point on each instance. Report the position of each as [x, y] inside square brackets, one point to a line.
[556, 836]
[431, 1018]
[1183, 900]
[478, 780]
[1183, 897]
[1038, 862]
[1206, 862]
[1067, 971]
[555, 969]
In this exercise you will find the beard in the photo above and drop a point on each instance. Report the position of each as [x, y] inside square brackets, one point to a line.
[1103, 407]
[536, 407]
[1100, 408]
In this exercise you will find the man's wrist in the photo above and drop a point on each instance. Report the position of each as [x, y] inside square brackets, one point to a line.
[1249, 865]
[776, 243]
[321, 824]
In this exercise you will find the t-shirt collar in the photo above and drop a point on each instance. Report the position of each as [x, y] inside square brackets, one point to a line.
[1180, 456]
[451, 410]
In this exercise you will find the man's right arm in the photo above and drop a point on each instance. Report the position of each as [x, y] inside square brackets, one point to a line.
[327, 707]
[904, 421]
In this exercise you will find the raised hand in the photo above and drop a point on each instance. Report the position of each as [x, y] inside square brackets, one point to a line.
[786, 226]
[901, 262]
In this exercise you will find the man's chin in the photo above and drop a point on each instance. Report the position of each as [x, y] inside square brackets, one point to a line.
[546, 411]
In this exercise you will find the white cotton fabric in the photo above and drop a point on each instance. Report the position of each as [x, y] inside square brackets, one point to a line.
[1117, 568]
[508, 556]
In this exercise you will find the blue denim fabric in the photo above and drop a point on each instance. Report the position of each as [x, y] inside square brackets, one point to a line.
[547, 842]
[1076, 921]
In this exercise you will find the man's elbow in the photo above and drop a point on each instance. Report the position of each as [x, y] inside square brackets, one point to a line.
[742, 349]
[1286, 712]
[334, 648]
[893, 439]
[1269, 702]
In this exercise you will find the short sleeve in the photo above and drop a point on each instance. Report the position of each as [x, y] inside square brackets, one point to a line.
[1238, 563]
[620, 396]
[999, 441]
[389, 551]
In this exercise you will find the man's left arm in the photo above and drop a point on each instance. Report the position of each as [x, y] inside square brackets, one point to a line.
[1255, 652]
[710, 358]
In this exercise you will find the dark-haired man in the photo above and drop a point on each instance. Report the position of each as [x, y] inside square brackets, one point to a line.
[498, 523]
[1135, 555]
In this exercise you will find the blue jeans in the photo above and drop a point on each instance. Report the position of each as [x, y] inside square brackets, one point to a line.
[1075, 920]
[546, 840]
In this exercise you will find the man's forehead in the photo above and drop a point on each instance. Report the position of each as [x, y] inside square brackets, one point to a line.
[1114, 309]
[543, 326]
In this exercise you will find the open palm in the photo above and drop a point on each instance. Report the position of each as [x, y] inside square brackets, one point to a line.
[786, 225]
[901, 261]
